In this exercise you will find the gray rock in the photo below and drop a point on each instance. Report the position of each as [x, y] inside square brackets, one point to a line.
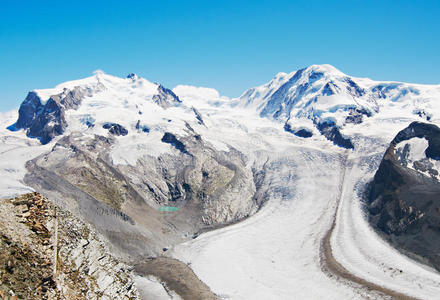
[115, 129]
[209, 188]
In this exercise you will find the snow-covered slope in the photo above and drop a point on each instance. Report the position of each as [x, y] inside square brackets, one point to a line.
[321, 96]
[322, 92]
[220, 160]
[95, 100]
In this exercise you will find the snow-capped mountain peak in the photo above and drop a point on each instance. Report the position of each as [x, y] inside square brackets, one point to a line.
[46, 113]
[325, 98]
[101, 81]
[319, 89]
[296, 91]
[318, 99]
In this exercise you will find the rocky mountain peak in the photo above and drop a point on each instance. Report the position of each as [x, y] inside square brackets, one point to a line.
[44, 114]
[132, 76]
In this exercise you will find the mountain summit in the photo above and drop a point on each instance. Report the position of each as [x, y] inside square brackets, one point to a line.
[318, 99]
[44, 113]
[328, 98]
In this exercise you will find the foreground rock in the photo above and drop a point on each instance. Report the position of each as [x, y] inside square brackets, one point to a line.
[46, 253]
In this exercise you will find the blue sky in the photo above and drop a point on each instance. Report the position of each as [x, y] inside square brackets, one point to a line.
[227, 45]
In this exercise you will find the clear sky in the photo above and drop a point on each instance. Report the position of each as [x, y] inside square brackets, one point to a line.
[227, 45]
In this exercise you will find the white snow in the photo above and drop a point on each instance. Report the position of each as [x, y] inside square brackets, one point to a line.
[417, 147]
[15, 150]
[416, 153]
[302, 96]
[275, 253]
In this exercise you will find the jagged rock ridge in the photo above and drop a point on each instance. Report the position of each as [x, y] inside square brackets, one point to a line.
[47, 120]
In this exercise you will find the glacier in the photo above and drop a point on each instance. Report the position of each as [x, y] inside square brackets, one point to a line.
[309, 188]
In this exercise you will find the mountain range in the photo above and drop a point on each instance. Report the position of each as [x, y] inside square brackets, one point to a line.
[314, 185]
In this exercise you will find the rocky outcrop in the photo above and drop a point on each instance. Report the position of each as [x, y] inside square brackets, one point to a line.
[332, 133]
[171, 139]
[45, 120]
[47, 253]
[115, 129]
[422, 130]
[41, 121]
[356, 115]
[301, 132]
[403, 203]
[165, 97]
[139, 127]
[198, 116]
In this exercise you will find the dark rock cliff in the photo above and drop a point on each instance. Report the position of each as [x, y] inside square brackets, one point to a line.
[332, 133]
[45, 121]
[403, 204]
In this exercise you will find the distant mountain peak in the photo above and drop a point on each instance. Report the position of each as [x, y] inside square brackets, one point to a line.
[132, 76]
[325, 68]
[43, 114]
[98, 72]
[321, 94]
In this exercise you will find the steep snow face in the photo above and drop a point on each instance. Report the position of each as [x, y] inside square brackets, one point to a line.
[322, 94]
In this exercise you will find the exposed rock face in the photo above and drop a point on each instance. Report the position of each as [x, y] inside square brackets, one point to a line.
[45, 121]
[356, 115]
[304, 133]
[49, 254]
[115, 129]
[41, 121]
[404, 200]
[422, 130]
[165, 97]
[144, 128]
[198, 116]
[209, 188]
[170, 138]
[353, 88]
[332, 133]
